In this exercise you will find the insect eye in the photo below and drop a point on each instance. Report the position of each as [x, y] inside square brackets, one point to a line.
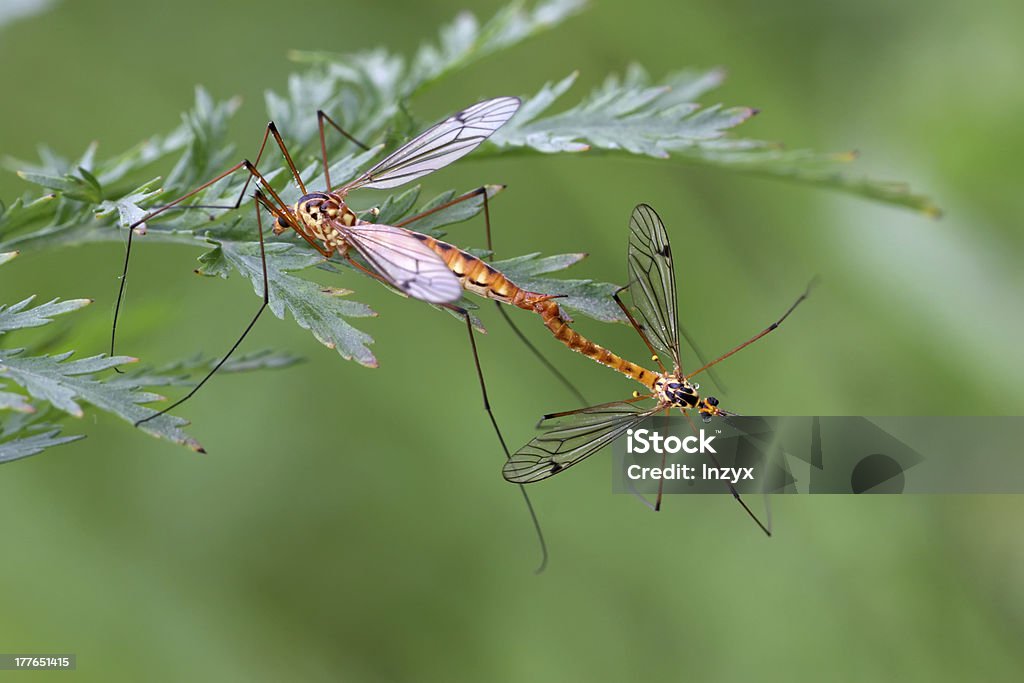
[712, 401]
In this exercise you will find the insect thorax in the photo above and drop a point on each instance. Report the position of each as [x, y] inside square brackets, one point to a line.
[319, 212]
[676, 391]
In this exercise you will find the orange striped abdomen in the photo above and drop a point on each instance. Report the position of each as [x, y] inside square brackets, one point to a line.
[475, 275]
[555, 321]
[484, 280]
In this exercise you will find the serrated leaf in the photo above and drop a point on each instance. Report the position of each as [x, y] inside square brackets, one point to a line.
[184, 372]
[26, 446]
[322, 312]
[68, 185]
[628, 113]
[633, 115]
[63, 383]
[206, 150]
[18, 316]
[464, 41]
[128, 207]
[16, 402]
[21, 214]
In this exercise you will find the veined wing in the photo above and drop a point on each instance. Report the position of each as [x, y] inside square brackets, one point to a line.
[572, 438]
[652, 282]
[439, 145]
[404, 261]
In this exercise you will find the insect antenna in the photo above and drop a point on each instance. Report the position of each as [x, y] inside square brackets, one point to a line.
[773, 326]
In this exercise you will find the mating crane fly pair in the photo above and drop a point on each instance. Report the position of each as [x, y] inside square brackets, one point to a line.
[415, 264]
[425, 268]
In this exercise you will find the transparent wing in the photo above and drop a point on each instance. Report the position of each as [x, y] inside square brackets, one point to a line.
[570, 439]
[652, 282]
[439, 145]
[404, 261]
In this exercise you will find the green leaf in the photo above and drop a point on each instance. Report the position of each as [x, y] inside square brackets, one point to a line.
[635, 116]
[17, 317]
[25, 434]
[320, 310]
[206, 151]
[63, 383]
[461, 43]
[21, 214]
[16, 402]
[464, 41]
[187, 371]
[629, 114]
[127, 207]
[69, 185]
[25, 446]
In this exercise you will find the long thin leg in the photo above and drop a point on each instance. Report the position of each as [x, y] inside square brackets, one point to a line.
[131, 233]
[639, 329]
[563, 380]
[321, 116]
[759, 334]
[565, 413]
[647, 341]
[732, 489]
[661, 482]
[271, 130]
[258, 199]
[504, 447]
[487, 406]
[519, 333]
[441, 207]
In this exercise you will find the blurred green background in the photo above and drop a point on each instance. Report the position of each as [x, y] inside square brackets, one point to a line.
[351, 524]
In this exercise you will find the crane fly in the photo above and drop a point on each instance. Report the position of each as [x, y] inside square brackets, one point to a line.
[412, 263]
[574, 435]
[325, 221]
